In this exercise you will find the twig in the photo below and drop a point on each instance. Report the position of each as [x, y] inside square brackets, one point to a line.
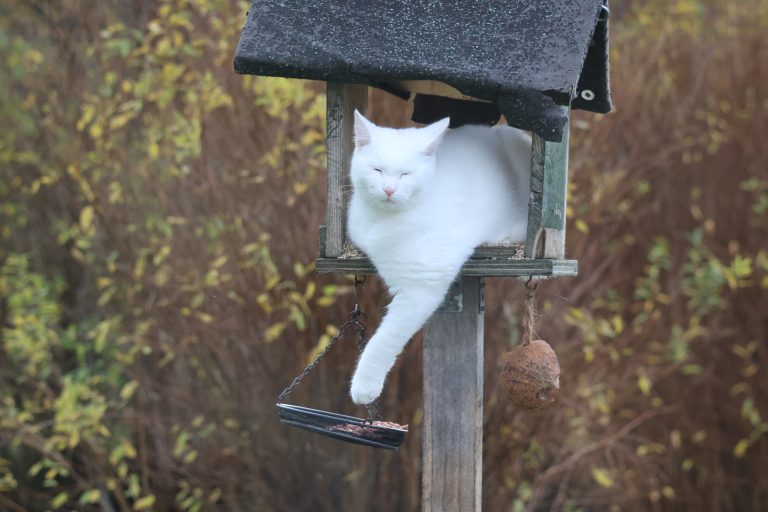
[12, 505]
[623, 432]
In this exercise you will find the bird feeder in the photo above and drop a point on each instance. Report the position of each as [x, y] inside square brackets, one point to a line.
[532, 62]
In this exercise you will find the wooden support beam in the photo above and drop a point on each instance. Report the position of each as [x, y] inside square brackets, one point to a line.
[453, 402]
[547, 202]
[342, 100]
[500, 267]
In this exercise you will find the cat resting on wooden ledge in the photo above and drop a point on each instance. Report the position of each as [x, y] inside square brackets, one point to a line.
[423, 200]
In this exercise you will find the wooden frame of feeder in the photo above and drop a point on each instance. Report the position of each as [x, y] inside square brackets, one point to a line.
[544, 247]
[453, 337]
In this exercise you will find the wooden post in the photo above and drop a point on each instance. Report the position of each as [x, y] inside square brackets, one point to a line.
[549, 187]
[342, 100]
[453, 402]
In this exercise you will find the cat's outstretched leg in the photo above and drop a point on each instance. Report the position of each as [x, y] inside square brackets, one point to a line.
[411, 307]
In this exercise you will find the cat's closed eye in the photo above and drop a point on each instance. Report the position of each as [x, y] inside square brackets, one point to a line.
[378, 170]
[404, 174]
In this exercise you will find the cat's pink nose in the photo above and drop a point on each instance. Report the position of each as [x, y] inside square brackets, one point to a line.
[389, 191]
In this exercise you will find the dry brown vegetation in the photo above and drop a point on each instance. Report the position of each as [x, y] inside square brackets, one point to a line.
[158, 219]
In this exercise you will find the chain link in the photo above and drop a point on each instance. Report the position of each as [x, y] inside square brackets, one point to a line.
[355, 321]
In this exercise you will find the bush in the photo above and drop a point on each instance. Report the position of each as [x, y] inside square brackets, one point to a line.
[158, 219]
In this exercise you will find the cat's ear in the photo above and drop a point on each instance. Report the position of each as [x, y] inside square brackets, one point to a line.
[363, 130]
[434, 134]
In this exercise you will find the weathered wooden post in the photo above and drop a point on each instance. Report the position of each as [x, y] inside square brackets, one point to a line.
[452, 467]
[440, 51]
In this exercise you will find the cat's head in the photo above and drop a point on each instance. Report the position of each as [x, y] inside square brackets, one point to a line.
[392, 167]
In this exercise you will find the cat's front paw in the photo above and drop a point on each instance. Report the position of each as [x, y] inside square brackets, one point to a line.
[365, 390]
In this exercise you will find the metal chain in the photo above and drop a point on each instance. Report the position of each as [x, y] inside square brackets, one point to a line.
[311, 366]
[355, 321]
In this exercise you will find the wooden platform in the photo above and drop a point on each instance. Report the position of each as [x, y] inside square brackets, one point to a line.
[473, 267]
[476, 267]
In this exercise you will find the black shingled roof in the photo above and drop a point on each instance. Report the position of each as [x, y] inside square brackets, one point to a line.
[525, 56]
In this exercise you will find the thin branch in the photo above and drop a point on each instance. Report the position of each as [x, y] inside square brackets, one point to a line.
[605, 442]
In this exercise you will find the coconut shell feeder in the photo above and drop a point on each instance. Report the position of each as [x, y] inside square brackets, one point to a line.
[530, 373]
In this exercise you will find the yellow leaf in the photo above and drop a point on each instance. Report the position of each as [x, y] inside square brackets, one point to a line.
[130, 451]
[321, 344]
[91, 496]
[741, 448]
[272, 282]
[121, 120]
[144, 503]
[86, 117]
[59, 500]
[74, 439]
[602, 477]
[96, 131]
[190, 457]
[675, 439]
[644, 383]
[204, 317]
[326, 301]
[618, 324]
[274, 331]
[139, 267]
[86, 218]
[161, 255]
[310, 291]
[153, 150]
[214, 496]
[263, 301]
[589, 354]
[129, 389]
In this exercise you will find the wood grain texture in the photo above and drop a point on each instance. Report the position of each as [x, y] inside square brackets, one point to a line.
[547, 201]
[555, 194]
[538, 148]
[342, 100]
[473, 267]
[453, 406]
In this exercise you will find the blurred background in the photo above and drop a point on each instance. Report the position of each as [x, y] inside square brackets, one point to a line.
[158, 226]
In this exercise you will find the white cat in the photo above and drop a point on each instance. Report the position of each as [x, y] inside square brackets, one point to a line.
[423, 199]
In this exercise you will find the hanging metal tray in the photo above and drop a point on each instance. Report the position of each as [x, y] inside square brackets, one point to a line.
[341, 427]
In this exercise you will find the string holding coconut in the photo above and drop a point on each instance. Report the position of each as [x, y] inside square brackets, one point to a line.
[531, 372]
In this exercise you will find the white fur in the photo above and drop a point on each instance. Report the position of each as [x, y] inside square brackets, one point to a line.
[453, 190]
